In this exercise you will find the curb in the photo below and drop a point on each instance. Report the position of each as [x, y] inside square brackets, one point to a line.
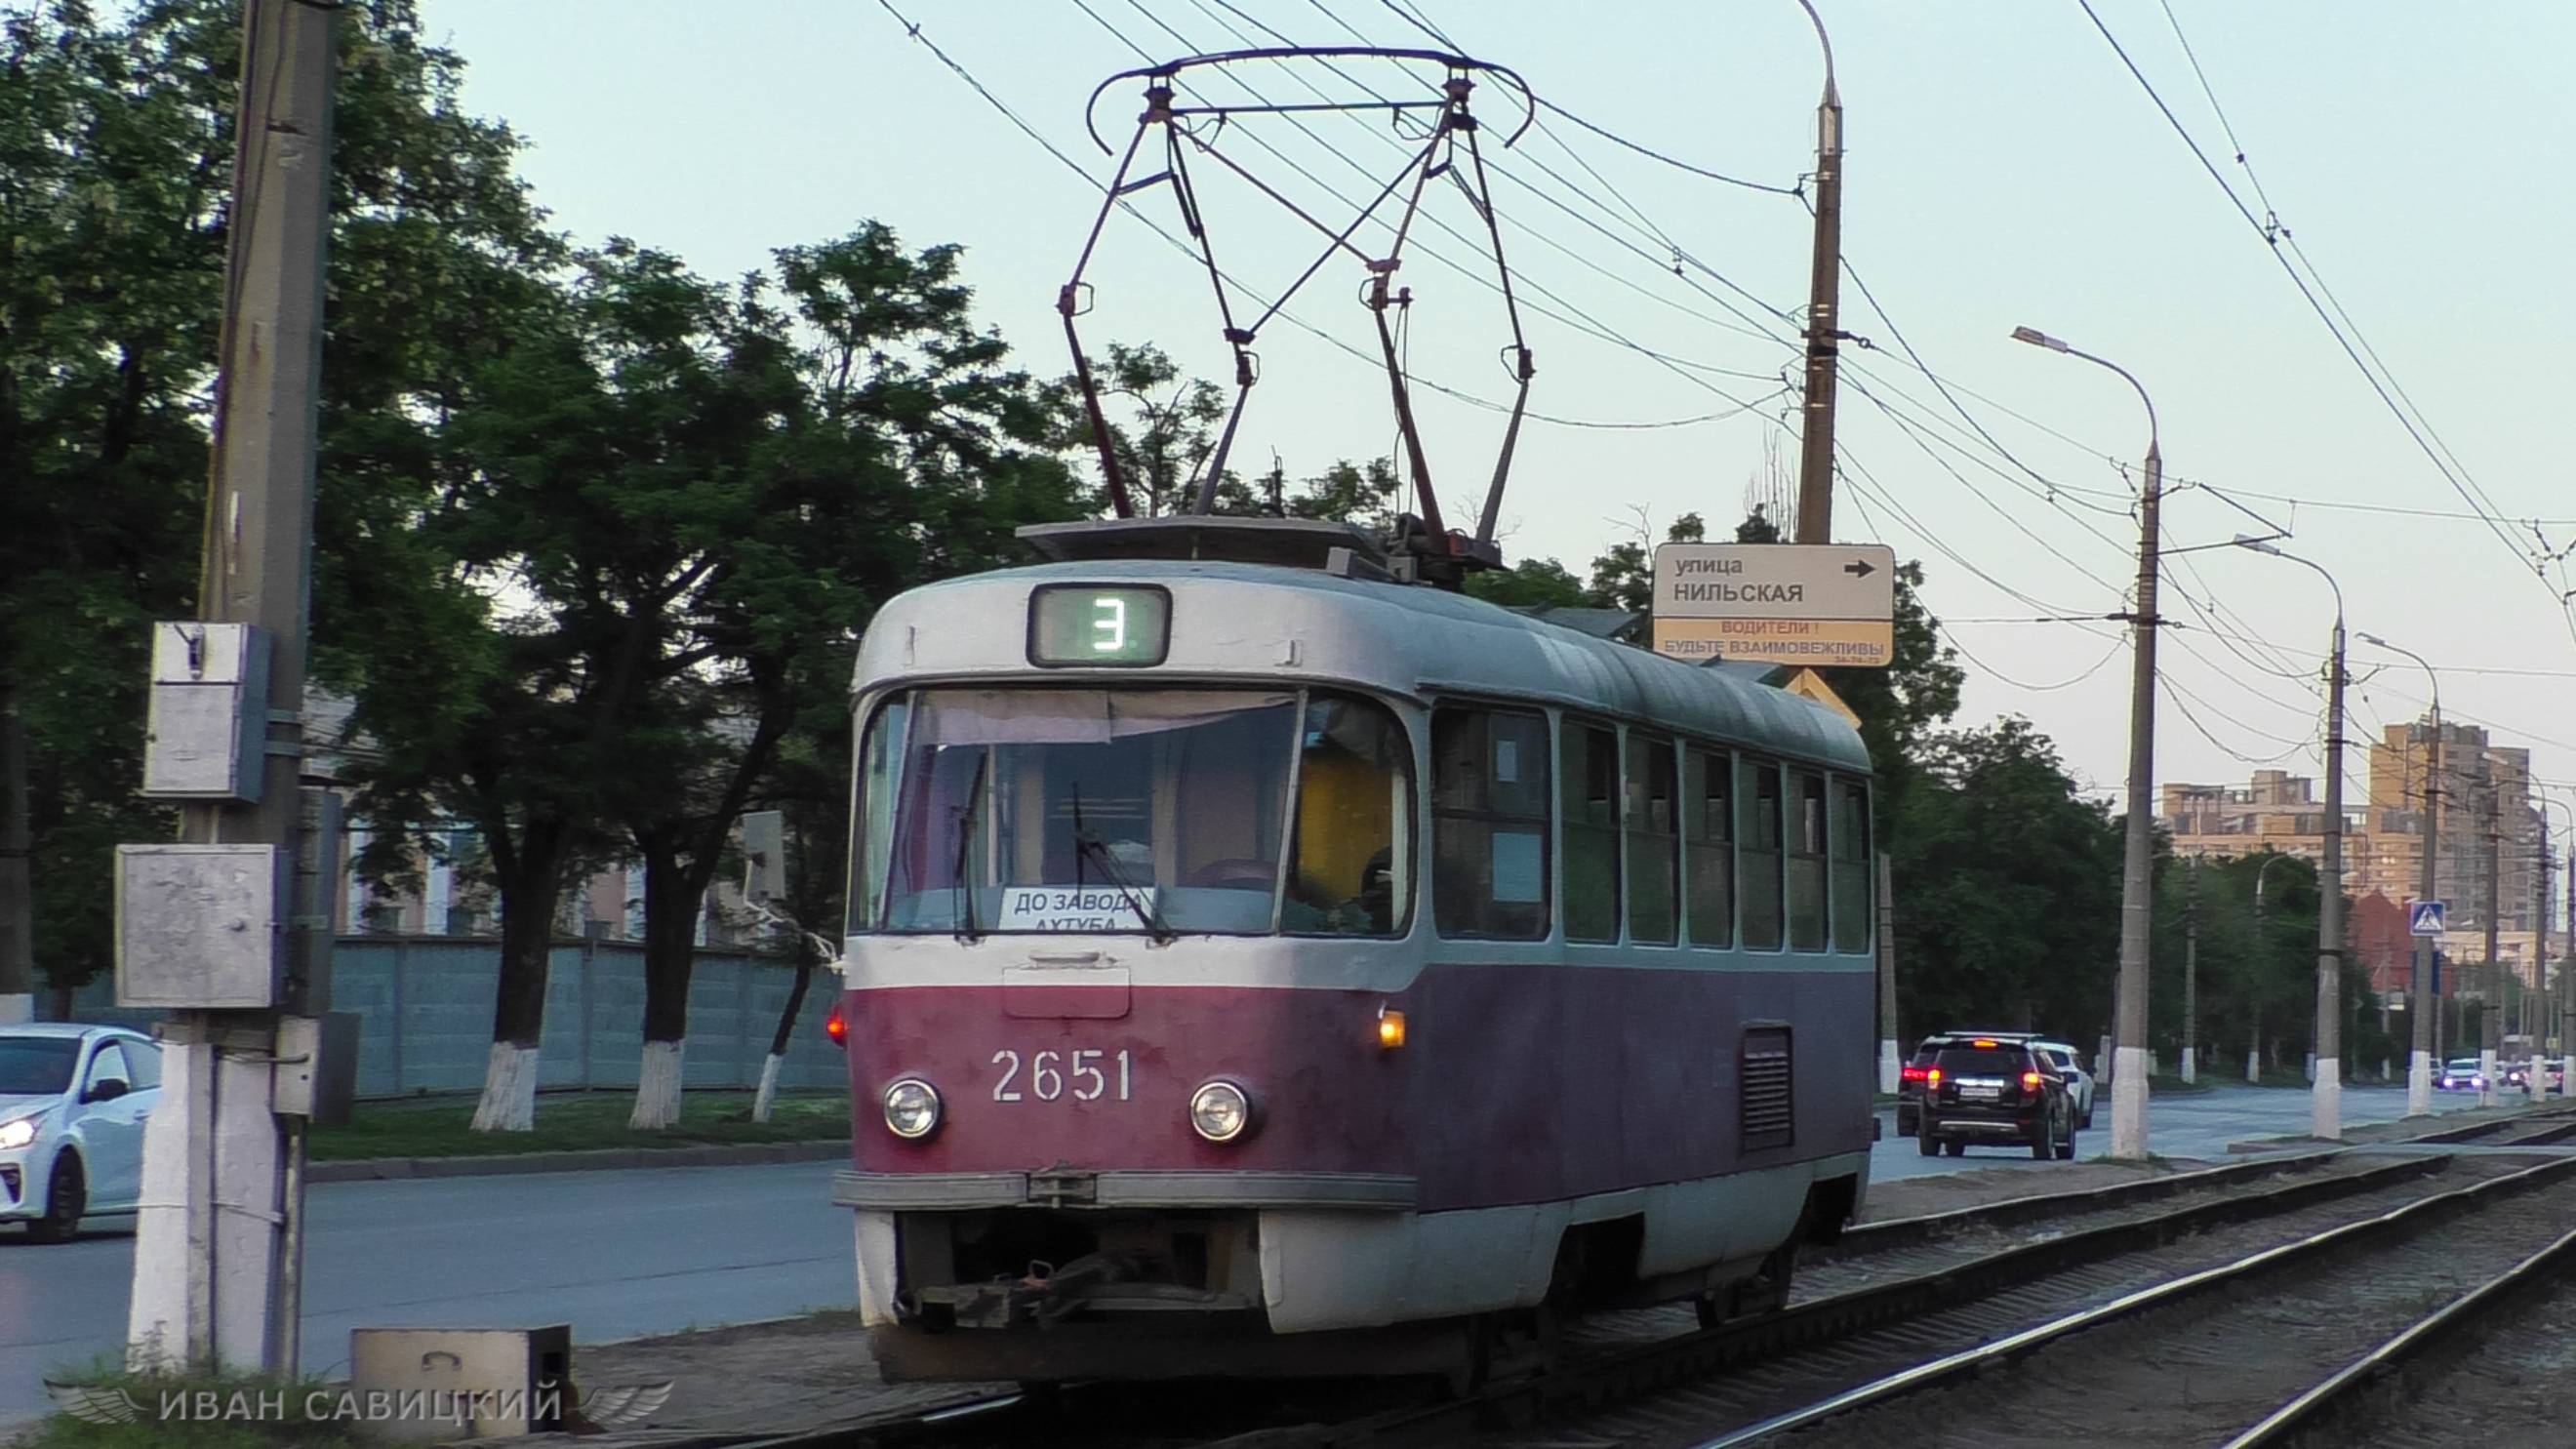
[602, 1159]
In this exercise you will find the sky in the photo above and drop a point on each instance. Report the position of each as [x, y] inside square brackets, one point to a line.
[2003, 168]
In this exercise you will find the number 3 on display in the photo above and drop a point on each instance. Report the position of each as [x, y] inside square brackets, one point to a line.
[1048, 1072]
[1109, 624]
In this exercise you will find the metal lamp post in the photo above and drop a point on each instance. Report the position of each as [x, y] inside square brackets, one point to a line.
[2325, 1093]
[2137, 877]
[2419, 1061]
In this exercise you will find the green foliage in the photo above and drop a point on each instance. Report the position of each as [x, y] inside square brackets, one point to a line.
[2007, 888]
[1163, 430]
[2257, 967]
[1538, 583]
[115, 164]
[580, 1121]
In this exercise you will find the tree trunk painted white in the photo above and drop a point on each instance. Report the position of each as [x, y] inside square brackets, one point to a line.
[509, 1101]
[657, 1088]
[17, 1009]
[768, 1093]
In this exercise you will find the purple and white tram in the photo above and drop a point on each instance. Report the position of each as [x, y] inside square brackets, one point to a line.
[1253, 968]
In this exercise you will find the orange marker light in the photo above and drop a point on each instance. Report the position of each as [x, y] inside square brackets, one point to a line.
[835, 1027]
[2030, 1080]
[1981, 1043]
[1390, 1028]
[1933, 1077]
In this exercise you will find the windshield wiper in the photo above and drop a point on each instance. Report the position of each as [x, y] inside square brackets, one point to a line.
[1091, 847]
[961, 894]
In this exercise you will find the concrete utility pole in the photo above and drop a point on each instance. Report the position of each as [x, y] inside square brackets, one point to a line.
[1824, 311]
[2137, 875]
[2491, 997]
[2424, 1016]
[2191, 972]
[17, 887]
[2540, 1021]
[218, 1240]
[2325, 1089]
[1891, 1049]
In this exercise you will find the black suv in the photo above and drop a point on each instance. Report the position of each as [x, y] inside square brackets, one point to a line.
[1995, 1090]
[1910, 1078]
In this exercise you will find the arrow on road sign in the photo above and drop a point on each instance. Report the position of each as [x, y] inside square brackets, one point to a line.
[1859, 569]
[2427, 919]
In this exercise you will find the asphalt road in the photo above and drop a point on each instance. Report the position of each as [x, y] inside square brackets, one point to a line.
[2198, 1125]
[622, 1254]
[614, 1254]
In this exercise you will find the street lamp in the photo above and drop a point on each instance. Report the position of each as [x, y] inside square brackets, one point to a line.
[2554, 1005]
[2137, 876]
[2325, 1093]
[2419, 1062]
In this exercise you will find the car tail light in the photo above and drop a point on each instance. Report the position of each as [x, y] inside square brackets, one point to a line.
[1909, 1073]
[836, 1026]
[1932, 1078]
[2030, 1081]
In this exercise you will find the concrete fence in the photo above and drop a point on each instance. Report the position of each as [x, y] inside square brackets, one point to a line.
[425, 1008]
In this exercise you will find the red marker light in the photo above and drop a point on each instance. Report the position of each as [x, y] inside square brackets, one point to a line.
[836, 1026]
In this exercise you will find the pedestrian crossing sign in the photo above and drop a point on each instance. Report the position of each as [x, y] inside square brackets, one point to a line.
[2427, 919]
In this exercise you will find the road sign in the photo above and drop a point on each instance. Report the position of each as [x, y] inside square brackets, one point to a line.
[2427, 918]
[1779, 603]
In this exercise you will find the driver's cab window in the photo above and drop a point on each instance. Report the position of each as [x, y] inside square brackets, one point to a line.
[1350, 868]
[108, 1066]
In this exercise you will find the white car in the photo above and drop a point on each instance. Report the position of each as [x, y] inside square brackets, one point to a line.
[2079, 1082]
[73, 1100]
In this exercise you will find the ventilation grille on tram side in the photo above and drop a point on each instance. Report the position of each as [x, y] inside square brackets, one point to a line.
[1765, 1115]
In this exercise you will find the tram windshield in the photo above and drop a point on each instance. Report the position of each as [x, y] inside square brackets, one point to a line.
[1141, 811]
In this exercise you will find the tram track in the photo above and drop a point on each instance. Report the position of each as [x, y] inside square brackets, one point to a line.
[1921, 1292]
[2138, 1371]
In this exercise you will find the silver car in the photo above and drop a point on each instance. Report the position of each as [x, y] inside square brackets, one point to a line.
[73, 1101]
[2079, 1082]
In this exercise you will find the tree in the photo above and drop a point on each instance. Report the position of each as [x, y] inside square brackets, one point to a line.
[1538, 583]
[115, 154]
[1169, 433]
[2009, 886]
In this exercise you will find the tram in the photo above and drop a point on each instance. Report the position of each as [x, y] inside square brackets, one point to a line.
[1260, 964]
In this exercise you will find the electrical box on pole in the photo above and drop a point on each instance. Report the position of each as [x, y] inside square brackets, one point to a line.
[207, 734]
[200, 927]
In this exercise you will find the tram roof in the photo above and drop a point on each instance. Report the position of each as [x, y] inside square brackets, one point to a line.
[1248, 619]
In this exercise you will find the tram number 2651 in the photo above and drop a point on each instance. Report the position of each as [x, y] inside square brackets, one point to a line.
[1087, 1074]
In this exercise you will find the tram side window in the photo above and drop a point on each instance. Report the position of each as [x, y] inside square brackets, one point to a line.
[1352, 864]
[1853, 870]
[1591, 812]
[1807, 861]
[1758, 850]
[1489, 800]
[1708, 847]
[1653, 867]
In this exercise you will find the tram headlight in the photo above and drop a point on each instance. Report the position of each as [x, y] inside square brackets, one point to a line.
[1220, 1112]
[911, 1109]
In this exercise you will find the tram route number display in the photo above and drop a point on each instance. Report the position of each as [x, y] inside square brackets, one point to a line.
[1073, 908]
[1073, 625]
[1086, 1074]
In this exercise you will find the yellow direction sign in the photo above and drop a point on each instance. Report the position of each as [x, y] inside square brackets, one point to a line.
[1840, 643]
[1777, 603]
[1806, 684]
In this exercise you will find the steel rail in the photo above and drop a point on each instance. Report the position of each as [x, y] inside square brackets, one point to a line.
[2413, 1216]
[2313, 1414]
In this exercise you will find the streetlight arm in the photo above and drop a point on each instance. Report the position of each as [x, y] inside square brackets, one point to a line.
[1825, 41]
[2429, 674]
[2133, 382]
